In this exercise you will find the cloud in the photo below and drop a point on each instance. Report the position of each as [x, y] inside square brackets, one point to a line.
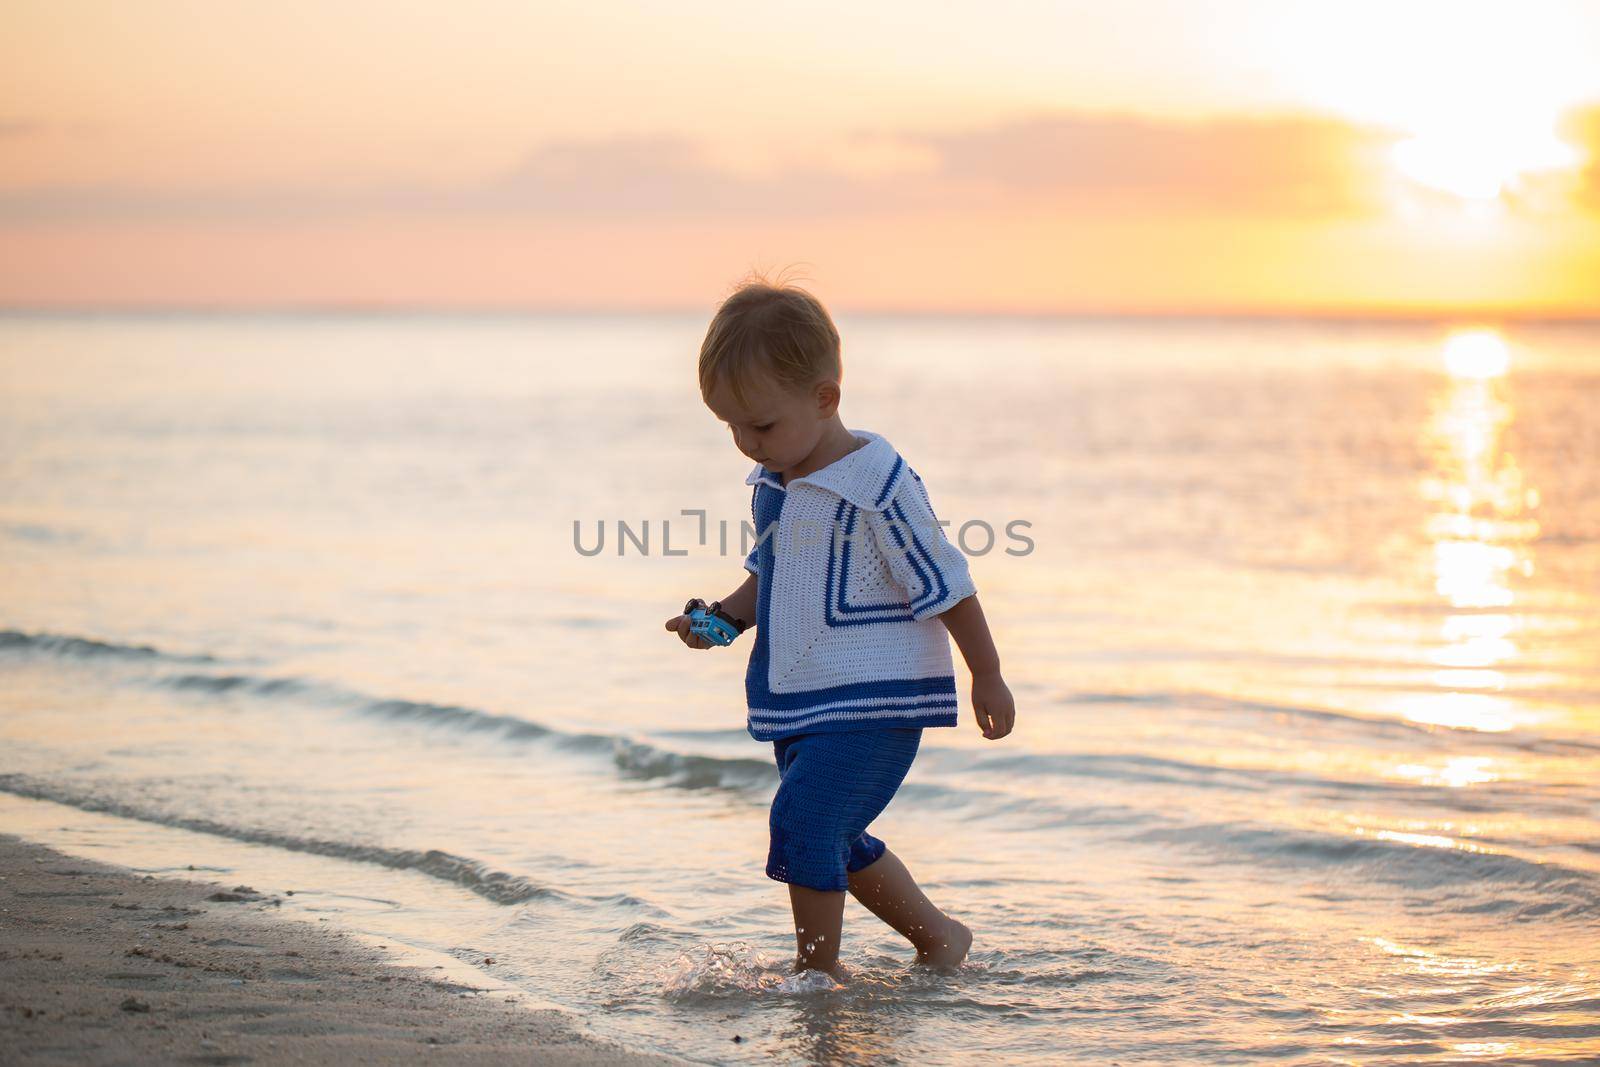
[1304, 166]
[1581, 127]
[670, 176]
[20, 127]
[665, 177]
[1300, 165]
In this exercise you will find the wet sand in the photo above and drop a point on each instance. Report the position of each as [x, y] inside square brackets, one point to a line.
[103, 965]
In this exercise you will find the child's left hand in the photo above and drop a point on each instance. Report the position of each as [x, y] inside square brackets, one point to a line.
[993, 706]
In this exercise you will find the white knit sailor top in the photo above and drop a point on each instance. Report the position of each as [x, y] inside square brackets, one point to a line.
[854, 570]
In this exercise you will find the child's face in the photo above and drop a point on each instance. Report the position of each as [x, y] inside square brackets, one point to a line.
[776, 427]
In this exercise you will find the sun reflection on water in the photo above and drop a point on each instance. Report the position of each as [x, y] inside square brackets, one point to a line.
[1456, 771]
[1480, 531]
[1427, 962]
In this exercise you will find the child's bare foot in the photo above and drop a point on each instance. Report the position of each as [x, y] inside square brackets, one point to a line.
[951, 947]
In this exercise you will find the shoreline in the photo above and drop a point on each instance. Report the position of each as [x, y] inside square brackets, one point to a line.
[100, 964]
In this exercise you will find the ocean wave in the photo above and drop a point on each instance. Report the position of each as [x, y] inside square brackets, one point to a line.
[640, 759]
[498, 886]
[228, 683]
[632, 757]
[1366, 725]
[87, 647]
[454, 716]
[1141, 768]
[1466, 879]
[40, 534]
[965, 778]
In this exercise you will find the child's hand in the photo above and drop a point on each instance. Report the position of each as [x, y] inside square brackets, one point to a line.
[680, 623]
[993, 706]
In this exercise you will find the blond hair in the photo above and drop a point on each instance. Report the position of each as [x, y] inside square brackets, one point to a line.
[777, 330]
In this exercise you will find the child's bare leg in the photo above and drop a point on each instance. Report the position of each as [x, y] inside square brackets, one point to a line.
[886, 889]
[818, 920]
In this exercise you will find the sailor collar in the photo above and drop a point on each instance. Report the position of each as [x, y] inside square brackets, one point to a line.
[867, 477]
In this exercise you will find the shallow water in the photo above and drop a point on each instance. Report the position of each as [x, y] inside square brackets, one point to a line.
[1306, 654]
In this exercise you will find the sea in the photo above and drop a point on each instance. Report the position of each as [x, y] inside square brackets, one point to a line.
[1302, 619]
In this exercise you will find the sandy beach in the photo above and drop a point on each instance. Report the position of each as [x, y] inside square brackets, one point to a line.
[102, 965]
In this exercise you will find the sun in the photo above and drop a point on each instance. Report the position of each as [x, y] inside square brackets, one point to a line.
[1480, 163]
[1476, 354]
[1472, 91]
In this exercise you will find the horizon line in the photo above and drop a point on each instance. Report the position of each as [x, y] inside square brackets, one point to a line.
[1482, 314]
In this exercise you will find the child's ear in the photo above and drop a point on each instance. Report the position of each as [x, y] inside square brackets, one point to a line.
[827, 395]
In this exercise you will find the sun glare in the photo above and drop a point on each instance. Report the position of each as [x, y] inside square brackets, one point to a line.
[1480, 164]
[1473, 90]
[1476, 354]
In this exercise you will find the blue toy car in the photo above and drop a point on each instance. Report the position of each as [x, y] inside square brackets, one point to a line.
[711, 622]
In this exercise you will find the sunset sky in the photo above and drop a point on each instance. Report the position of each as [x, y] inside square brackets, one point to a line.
[1217, 156]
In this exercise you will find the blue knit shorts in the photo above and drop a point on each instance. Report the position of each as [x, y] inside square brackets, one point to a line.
[833, 785]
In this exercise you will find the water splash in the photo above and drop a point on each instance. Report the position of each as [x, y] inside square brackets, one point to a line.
[722, 969]
[717, 969]
[807, 981]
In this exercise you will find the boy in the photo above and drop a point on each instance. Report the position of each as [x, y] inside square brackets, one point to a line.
[852, 590]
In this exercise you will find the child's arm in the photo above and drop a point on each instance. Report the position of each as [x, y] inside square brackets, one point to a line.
[741, 604]
[991, 699]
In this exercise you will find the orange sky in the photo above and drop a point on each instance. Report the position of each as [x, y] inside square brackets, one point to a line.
[1233, 155]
